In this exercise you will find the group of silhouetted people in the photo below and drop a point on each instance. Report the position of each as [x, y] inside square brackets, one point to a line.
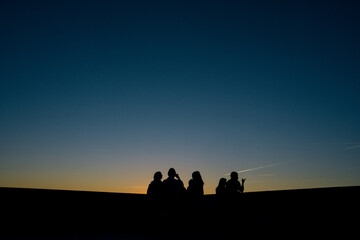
[231, 187]
[169, 194]
[173, 188]
[229, 192]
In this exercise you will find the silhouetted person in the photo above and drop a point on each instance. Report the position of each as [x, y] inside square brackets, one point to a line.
[173, 184]
[174, 189]
[221, 188]
[195, 194]
[196, 185]
[233, 186]
[234, 191]
[221, 196]
[155, 190]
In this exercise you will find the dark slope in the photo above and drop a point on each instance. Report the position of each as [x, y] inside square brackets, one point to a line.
[292, 213]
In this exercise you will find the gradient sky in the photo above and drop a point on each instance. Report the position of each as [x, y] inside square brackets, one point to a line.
[98, 95]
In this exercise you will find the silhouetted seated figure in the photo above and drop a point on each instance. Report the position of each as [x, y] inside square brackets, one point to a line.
[221, 197]
[234, 190]
[196, 185]
[155, 193]
[195, 193]
[233, 186]
[174, 189]
[221, 188]
[155, 190]
[173, 184]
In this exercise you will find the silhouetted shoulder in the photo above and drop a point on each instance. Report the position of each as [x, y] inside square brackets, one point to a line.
[156, 187]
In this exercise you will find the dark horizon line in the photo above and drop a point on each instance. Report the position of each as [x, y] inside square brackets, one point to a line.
[88, 191]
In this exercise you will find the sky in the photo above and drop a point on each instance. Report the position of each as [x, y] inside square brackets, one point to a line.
[99, 95]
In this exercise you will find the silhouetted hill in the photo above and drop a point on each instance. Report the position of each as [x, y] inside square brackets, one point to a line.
[41, 212]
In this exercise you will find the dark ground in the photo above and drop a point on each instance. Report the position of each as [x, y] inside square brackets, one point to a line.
[60, 214]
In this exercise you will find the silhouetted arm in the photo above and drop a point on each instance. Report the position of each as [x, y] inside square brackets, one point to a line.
[179, 180]
[149, 190]
[242, 185]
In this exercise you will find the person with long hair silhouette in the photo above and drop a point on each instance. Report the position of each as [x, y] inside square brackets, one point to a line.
[221, 188]
[195, 193]
[221, 197]
[196, 185]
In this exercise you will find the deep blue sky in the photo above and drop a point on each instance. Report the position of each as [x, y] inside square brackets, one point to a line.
[98, 95]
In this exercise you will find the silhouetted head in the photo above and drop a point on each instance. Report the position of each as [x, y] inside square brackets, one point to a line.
[234, 176]
[171, 173]
[191, 182]
[222, 182]
[197, 177]
[158, 176]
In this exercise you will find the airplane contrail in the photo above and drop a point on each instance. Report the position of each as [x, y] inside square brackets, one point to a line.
[358, 146]
[354, 144]
[252, 169]
[278, 163]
